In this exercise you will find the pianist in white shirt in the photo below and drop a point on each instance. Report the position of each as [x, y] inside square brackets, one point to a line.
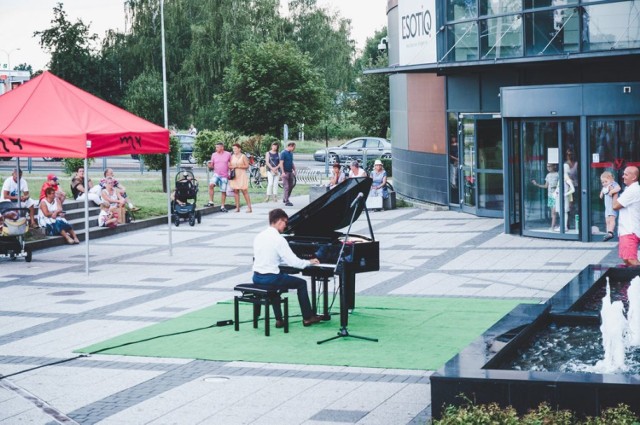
[270, 250]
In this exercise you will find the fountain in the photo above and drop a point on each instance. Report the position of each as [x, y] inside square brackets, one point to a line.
[613, 328]
[633, 315]
[577, 351]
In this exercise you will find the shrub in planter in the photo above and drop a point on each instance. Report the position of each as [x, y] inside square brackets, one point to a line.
[492, 413]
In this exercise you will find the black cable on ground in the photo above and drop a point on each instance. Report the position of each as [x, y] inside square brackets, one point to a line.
[43, 365]
[220, 323]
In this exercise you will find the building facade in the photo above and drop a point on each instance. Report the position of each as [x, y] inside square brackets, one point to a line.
[494, 103]
[10, 79]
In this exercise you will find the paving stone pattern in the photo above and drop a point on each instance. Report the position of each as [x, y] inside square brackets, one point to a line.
[50, 307]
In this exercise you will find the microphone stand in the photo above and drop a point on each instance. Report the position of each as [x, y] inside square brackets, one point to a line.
[344, 313]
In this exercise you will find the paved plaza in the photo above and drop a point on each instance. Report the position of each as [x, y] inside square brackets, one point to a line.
[50, 307]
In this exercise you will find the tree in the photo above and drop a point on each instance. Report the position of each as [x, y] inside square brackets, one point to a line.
[268, 85]
[24, 67]
[201, 36]
[327, 40]
[371, 53]
[72, 57]
[144, 98]
[372, 102]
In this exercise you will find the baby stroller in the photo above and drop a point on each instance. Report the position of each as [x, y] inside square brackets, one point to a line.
[183, 205]
[13, 228]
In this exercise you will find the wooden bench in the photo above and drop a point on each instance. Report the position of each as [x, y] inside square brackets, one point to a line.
[260, 295]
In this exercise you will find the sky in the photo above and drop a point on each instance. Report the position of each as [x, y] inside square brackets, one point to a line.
[19, 19]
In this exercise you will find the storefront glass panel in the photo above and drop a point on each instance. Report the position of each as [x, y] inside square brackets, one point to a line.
[535, 4]
[478, 178]
[612, 26]
[550, 174]
[454, 162]
[468, 133]
[552, 32]
[499, 7]
[489, 170]
[613, 145]
[462, 42]
[501, 37]
[461, 9]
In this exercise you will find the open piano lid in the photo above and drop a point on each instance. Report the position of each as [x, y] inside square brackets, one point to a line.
[331, 211]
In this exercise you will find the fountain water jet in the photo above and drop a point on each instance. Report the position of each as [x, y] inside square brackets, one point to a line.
[633, 315]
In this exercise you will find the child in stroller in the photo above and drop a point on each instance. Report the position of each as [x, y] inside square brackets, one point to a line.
[13, 228]
[183, 199]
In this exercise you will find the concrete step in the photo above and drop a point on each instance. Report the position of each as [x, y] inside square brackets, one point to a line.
[96, 232]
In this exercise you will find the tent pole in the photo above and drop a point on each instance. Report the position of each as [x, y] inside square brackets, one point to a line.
[86, 215]
[166, 122]
[169, 205]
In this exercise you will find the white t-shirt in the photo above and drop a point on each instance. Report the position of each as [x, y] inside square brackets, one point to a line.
[12, 187]
[361, 173]
[629, 216]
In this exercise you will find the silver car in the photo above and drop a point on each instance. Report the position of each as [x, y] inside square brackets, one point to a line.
[376, 147]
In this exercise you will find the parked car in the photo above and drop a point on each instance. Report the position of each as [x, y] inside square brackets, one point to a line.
[376, 147]
[186, 148]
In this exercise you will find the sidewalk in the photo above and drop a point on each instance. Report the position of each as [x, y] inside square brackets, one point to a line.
[50, 307]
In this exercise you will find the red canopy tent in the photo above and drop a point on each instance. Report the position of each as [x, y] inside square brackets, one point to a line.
[49, 117]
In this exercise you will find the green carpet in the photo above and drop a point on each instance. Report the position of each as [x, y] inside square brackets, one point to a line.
[413, 333]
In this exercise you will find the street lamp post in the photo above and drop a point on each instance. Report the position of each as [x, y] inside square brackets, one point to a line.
[9, 56]
[166, 123]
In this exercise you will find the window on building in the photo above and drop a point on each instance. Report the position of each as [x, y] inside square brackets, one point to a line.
[539, 4]
[462, 42]
[611, 26]
[501, 37]
[511, 28]
[499, 7]
[552, 32]
[458, 10]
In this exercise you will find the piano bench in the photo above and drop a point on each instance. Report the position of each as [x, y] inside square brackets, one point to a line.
[260, 295]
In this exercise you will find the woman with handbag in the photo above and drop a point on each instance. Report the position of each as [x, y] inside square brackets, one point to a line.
[272, 159]
[51, 218]
[238, 177]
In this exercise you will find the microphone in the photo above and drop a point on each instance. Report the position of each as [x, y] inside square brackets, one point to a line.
[355, 201]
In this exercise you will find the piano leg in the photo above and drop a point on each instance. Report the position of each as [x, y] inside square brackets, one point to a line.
[325, 296]
[325, 299]
[314, 304]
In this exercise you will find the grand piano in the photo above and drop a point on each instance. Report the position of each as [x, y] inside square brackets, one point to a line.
[313, 232]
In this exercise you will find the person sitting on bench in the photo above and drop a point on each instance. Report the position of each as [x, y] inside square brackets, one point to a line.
[270, 250]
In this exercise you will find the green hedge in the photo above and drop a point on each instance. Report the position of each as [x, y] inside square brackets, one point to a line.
[492, 413]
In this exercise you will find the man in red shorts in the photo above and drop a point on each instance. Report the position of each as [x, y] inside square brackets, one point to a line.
[628, 203]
